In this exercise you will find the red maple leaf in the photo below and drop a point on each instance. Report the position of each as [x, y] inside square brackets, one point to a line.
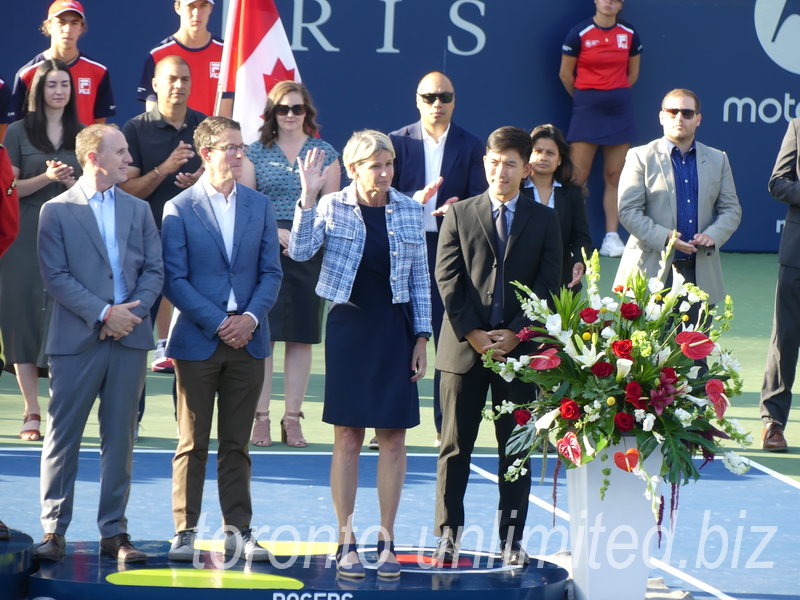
[279, 73]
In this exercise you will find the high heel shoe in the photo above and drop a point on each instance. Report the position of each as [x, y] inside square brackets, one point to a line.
[261, 433]
[291, 432]
[387, 569]
[355, 570]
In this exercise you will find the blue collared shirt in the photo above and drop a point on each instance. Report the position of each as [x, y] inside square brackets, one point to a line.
[104, 209]
[685, 170]
[511, 206]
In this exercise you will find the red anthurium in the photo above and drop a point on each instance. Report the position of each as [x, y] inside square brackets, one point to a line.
[694, 344]
[570, 448]
[628, 461]
[545, 360]
[715, 390]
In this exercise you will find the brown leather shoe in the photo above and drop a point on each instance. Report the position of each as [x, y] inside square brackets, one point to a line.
[5, 534]
[52, 548]
[121, 548]
[772, 439]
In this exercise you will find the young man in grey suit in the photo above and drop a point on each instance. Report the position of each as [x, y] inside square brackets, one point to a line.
[676, 187]
[485, 243]
[779, 374]
[101, 261]
[223, 273]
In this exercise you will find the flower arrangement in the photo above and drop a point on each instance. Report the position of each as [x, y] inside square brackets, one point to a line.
[626, 367]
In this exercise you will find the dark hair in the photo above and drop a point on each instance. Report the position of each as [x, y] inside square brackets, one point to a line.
[565, 172]
[269, 130]
[35, 121]
[510, 138]
[677, 93]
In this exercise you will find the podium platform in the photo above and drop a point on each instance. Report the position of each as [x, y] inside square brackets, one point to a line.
[85, 574]
[16, 565]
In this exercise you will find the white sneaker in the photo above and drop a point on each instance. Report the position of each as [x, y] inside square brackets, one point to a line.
[182, 548]
[243, 545]
[161, 362]
[612, 246]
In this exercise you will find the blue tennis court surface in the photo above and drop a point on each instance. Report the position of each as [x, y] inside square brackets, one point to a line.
[735, 537]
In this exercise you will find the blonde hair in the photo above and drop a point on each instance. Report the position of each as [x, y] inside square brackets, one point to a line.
[90, 139]
[362, 145]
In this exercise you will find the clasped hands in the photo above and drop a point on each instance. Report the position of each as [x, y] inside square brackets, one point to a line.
[502, 341]
[120, 321]
[237, 330]
[690, 247]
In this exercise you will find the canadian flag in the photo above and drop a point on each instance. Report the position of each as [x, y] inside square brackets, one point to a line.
[256, 56]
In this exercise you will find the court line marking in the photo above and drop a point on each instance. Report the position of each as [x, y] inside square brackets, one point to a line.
[653, 561]
[775, 474]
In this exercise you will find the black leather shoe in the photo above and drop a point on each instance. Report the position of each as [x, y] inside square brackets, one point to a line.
[121, 548]
[52, 548]
[514, 554]
[446, 551]
[5, 534]
[772, 439]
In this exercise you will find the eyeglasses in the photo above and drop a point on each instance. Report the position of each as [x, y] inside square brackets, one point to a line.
[444, 97]
[297, 109]
[230, 149]
[686, 113]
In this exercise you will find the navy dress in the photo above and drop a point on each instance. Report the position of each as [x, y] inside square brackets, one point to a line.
[368, 345]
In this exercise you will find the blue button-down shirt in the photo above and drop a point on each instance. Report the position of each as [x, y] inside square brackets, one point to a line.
[685, 171]
[511, 207]
[103, 207]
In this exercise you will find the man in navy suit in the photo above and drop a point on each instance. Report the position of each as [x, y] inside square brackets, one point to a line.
[223, 274]
[437, 163]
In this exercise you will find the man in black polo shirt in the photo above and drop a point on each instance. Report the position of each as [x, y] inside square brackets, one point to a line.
[163, 163]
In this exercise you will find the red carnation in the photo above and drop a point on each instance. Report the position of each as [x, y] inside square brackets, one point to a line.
[630, 310]
[619, 289]
[633, 394]
[526, 335]
[622, 349]
[570, 409]
[624, 421]
[602, 369]
[522, 415]
[589, 314]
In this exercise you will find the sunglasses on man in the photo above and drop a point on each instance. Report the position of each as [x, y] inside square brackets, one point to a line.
[283, 109]
[444, 97]
[686, 113]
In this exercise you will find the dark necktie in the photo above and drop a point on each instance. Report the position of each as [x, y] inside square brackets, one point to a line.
[501, 233]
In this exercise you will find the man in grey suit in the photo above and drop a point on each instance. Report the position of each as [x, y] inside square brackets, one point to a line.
[677, 187]
[776, 389]
[223, 273]
[101, 261]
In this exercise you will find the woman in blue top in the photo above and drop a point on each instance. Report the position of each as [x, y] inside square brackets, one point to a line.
[288, 132]
[375, 273]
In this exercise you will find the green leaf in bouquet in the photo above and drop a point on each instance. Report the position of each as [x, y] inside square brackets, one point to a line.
[521, 438]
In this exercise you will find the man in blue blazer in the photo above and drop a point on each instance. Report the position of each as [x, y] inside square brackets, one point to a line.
[223, 274]
[437, 163]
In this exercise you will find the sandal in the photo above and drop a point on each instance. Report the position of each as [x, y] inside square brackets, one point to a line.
[291, 432]
[387, 569]
[30, 428]
[261, 433]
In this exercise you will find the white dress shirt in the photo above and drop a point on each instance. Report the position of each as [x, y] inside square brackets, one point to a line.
[434, 153]
[551, 200]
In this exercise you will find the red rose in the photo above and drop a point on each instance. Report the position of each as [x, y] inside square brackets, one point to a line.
[630, 310]
[570, 409]
[522, 415]
[624, 421]
[589, 315]
[633, 394]
[526, 335]
[602, 369]
[622, 348]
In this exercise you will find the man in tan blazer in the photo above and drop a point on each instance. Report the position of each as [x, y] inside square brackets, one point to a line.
[675, 186]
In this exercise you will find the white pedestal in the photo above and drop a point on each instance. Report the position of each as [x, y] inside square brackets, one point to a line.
[611, 539]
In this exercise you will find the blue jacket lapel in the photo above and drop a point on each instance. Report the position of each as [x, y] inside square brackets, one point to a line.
[243, 199]
[202, 208]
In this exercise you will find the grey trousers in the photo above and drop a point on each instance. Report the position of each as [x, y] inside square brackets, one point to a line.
[115, 374]
[776, 389]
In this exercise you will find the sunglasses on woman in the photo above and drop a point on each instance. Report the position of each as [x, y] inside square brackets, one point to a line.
[283, 109]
